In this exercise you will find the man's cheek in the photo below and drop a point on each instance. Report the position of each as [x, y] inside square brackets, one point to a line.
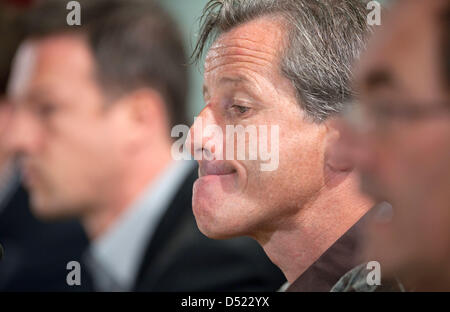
[269, 147]
[255, 181]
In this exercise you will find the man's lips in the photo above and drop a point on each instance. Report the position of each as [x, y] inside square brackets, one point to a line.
[207, 168]
[220, 176]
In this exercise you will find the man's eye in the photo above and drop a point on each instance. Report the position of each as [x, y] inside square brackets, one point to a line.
[46, 110]
[241, 109]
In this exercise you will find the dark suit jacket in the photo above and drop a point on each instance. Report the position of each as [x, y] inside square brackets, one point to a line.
[36, 253]
[180, 258]
[337, 260]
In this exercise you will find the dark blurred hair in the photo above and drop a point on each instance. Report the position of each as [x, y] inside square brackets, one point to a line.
[445, 35]
[10, 34]
[324, 37]
[135, 44]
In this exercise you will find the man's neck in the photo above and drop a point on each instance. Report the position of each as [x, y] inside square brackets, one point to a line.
[141, 172]
[303, 238]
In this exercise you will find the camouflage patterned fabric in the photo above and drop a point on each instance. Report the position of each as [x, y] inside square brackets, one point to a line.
[356, 281]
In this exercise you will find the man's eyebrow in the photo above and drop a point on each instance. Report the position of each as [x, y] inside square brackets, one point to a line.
[379, 78]
[37, 95]
[227, 80]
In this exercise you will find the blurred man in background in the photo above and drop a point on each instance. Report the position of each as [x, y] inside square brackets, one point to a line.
[401, 144]
[282, 64]
[94, 108]
[36, 253]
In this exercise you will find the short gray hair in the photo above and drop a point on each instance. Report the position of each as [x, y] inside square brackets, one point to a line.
[324, 39]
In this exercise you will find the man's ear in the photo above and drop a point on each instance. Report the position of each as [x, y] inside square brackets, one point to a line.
[146, 121]
[147, 108]
[337, 157]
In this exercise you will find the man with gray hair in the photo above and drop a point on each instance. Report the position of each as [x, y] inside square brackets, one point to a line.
[286, 65]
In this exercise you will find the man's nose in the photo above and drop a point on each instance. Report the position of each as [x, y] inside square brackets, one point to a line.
[203, 139]
[22, 136]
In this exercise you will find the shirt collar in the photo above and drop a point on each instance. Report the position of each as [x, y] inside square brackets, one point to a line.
[120, 251]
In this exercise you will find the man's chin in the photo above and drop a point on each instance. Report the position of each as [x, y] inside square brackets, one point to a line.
[48, 210]
[205, 218]
[210, 221]
[218, 206]
[213, 232]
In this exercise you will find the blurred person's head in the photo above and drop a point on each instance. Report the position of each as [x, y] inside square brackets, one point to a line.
[282, 64]
[94, 105]
[402, 147]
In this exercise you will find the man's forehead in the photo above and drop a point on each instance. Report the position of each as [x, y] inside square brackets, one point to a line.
[261, 38]
[54, 57]
[63, 51]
